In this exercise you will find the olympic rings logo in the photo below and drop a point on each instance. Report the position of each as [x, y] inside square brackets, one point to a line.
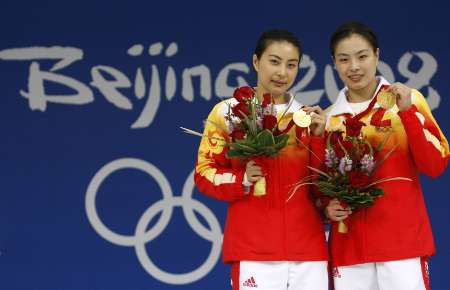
[166, 205]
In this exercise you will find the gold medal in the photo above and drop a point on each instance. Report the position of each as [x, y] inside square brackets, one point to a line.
[386, 99]
[301, 119]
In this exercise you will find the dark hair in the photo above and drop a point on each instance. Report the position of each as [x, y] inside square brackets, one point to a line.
[347, 29]
[276, 35]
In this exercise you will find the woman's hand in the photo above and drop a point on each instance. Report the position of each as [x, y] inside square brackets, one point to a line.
[253, 171]
[318, 120]
[335, 212]
[402, 94]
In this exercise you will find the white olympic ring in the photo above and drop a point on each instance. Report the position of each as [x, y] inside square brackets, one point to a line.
[166, 205]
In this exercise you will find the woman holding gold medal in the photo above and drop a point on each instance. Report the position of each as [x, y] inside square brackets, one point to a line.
[270, 243]
[386, 245]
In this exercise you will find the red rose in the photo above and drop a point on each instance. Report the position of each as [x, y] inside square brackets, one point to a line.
[338, 150]
[267, 99]
[348, 145]
[243, 93]
[353, 127]
[336, 136]
[240, 110]
[237, 134]
[358, 179]
[269, 122]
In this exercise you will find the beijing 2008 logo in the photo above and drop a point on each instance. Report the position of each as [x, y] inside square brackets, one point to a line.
[142, 236]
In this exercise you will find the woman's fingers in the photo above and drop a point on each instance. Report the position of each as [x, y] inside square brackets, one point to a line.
[318, 119]
[314, 109]
[335, 212]
[339, 218]
[253, 171]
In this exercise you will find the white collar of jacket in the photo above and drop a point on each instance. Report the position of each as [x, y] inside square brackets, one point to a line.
[295, 104]
[341, 106]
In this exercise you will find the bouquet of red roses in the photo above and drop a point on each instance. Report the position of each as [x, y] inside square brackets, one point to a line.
[350, 163]
[253, 129]
[253, 125]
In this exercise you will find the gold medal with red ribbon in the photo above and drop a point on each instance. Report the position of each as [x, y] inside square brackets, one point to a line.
[386, 99]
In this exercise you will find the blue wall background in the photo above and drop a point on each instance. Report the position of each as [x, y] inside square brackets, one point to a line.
[96, 187]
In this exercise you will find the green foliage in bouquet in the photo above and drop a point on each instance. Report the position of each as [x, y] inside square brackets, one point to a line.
[253, 126]
[350, 163]
[264, 143]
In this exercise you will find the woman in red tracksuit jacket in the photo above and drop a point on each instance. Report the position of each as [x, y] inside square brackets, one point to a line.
[271, 243]
[387, 244]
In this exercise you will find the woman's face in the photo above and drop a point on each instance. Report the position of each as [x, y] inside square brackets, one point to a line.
[356, 62]
[277, 67]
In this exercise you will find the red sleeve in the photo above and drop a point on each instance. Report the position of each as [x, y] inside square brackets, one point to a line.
[427, 144]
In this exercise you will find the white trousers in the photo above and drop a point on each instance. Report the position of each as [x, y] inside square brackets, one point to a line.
[408, 274]
[279, 275]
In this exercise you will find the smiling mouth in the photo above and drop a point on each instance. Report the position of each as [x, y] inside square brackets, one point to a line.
[355, 78]
[277, 83]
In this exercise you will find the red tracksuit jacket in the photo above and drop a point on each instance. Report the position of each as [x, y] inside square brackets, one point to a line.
[265, 228]
[397, 225]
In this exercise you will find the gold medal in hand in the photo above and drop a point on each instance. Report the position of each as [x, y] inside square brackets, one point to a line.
[386, 99]
[302, 119]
